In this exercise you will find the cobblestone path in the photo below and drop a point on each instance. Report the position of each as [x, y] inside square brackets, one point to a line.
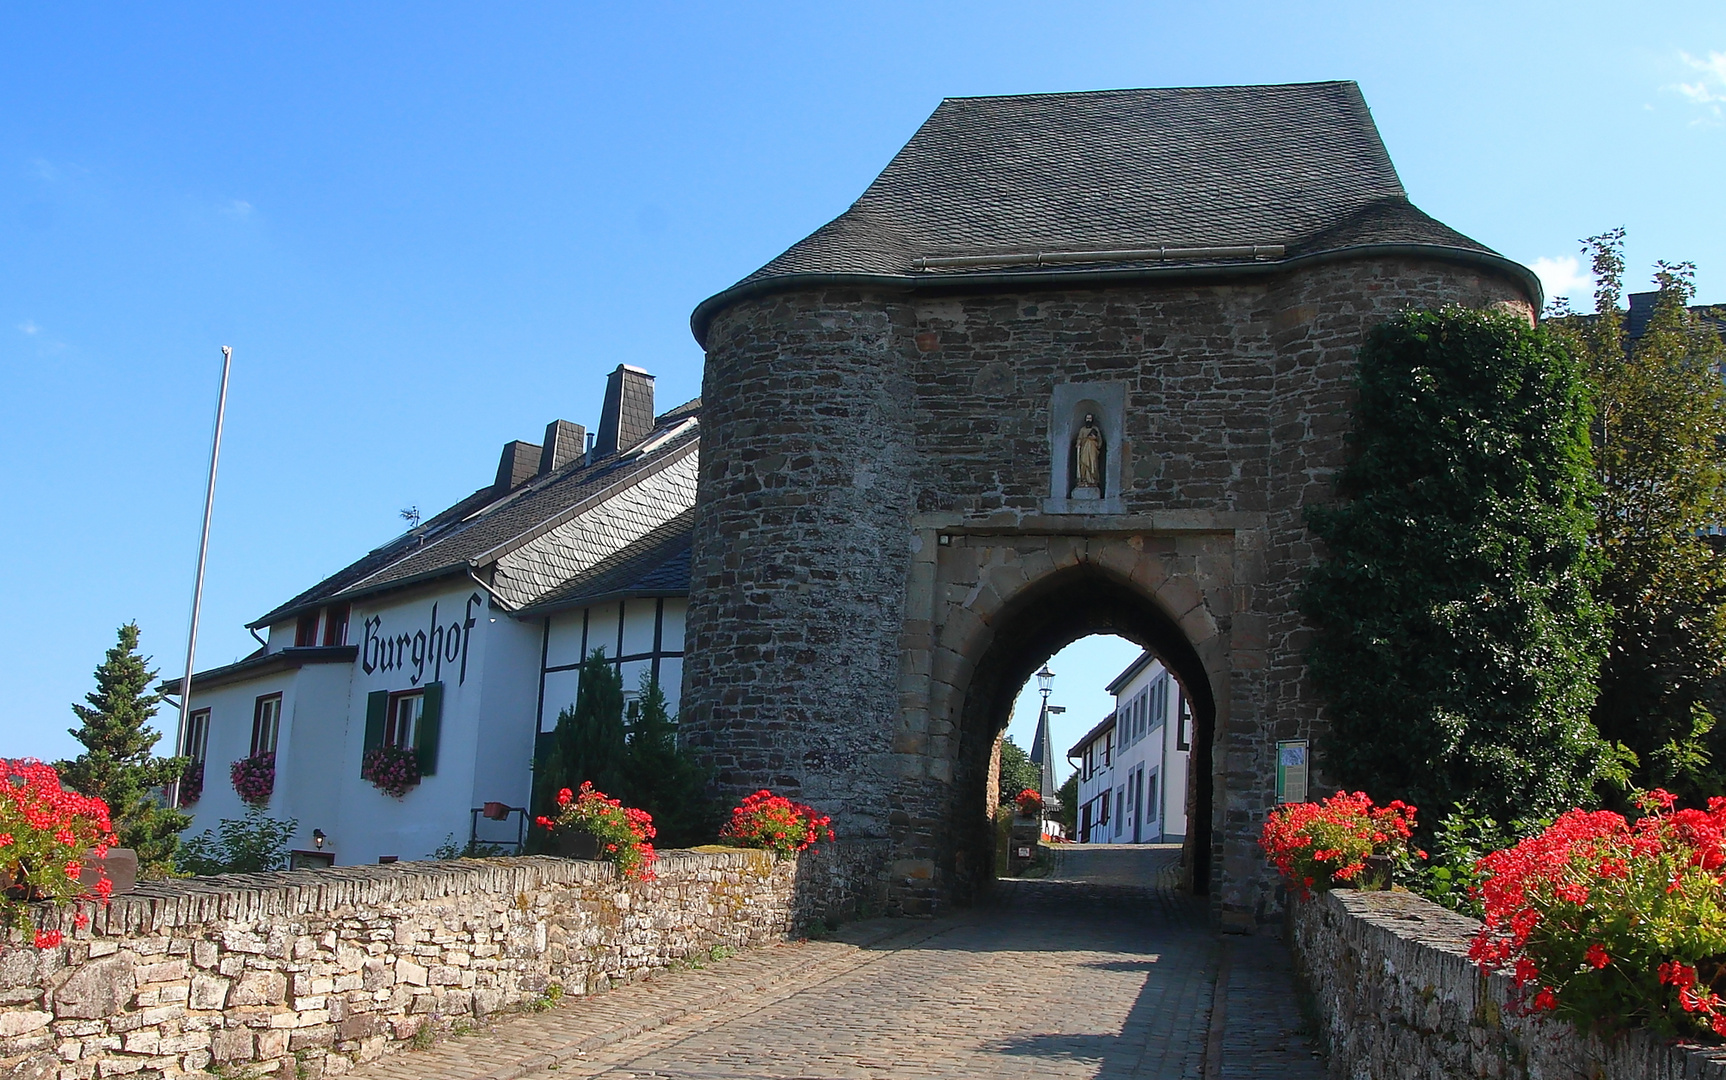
[1101, 970]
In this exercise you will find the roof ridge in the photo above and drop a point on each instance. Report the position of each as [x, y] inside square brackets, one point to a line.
[1150, 89]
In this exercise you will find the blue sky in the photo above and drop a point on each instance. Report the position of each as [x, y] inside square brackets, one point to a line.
[428, 229]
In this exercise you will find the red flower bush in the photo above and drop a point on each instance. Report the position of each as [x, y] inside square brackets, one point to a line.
[46, 833]
[192, 783]
[391, 769]
[1318, 845]
[623, 831]
[1030, 802]
[1612, 923]
[254, 777]
[773, 822]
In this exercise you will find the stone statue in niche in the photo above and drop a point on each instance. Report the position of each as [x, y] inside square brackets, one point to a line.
[1088, 460]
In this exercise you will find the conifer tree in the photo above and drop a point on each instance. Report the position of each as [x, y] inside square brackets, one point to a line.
[117, 766]
[588, 742]
[1660, 423]
[1457, 636]
[665, 779]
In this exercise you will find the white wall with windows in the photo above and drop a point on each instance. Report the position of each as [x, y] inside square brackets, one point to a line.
[639, 635]
[1133, 767]
[437, 672]
[1095, 817]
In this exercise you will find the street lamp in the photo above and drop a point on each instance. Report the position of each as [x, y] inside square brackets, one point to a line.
[1045, 682]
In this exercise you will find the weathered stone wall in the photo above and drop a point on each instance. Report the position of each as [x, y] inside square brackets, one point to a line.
[319, 970]
[845, 432]
[1398, 999]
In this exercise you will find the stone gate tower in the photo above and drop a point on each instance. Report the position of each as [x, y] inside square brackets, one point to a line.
[1073, 363]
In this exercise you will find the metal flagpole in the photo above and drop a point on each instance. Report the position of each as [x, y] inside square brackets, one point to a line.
[198, 586]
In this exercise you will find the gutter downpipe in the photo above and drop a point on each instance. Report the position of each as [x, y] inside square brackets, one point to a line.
[497, 601]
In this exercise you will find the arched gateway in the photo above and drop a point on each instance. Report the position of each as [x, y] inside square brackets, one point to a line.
[1073, 363]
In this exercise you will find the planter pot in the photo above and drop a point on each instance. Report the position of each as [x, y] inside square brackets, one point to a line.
[14, 891]
[495, 811]
[121, 865]
[575, 844]
[1376, 876]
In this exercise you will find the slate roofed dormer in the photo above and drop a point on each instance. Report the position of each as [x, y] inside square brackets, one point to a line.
[1046, 187]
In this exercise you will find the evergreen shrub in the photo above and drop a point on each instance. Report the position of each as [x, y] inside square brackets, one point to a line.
[1457, 638]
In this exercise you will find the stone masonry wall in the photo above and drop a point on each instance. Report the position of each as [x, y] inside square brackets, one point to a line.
[845, 430]
[1398, 999]
[307, 973]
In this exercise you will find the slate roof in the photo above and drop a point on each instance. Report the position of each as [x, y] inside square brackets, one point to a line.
[655, 565]
[1298, 166]
[484, 528]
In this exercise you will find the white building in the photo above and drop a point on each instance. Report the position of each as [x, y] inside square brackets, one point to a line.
[459, 640]
[1133, 765]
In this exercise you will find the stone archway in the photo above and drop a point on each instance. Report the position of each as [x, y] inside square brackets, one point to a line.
[1000, 603]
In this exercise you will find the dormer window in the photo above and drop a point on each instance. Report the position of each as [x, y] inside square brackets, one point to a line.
[306, 631]
[336, 625]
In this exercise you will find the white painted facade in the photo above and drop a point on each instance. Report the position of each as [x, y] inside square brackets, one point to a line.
[460, 642]
[1133, 765]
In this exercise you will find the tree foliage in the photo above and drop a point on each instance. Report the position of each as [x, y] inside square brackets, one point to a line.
[246, 845]
[117, 765]
[1068, 814]
[588, 742]
[1457, 638]
[1659, 428]
[1017, 772]
[636, 760]
[665, 779]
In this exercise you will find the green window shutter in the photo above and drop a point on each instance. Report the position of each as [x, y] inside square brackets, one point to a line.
[428, 733]
[377, 705]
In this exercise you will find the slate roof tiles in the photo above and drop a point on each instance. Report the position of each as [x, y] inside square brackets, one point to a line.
[539, 534]
[1301, 166]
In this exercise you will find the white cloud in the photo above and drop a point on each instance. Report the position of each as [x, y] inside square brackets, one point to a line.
[44, 169]
[1708, 91]
[29, 327]
[238, 208]
[1563, 276]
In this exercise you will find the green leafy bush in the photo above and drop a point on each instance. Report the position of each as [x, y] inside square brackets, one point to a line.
[1457, 638]
[1017, 772]
[247, 845]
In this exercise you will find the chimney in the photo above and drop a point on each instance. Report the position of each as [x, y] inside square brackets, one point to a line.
[564, 442]
[518, 464]
[628, 414]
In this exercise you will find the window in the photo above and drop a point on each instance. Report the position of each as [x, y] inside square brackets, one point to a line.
[409, 719]
[1108, 750]
[336, 625]
[1183, 724]
[306, 632]
[197, 734]
[266, 723]
[403, 726]
[1104, 819]
[1152, 810]
[1121, 813]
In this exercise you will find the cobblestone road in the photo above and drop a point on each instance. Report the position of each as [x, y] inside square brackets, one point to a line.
[1101, 970]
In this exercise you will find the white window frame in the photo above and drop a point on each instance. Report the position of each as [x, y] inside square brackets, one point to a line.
[393, 733]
